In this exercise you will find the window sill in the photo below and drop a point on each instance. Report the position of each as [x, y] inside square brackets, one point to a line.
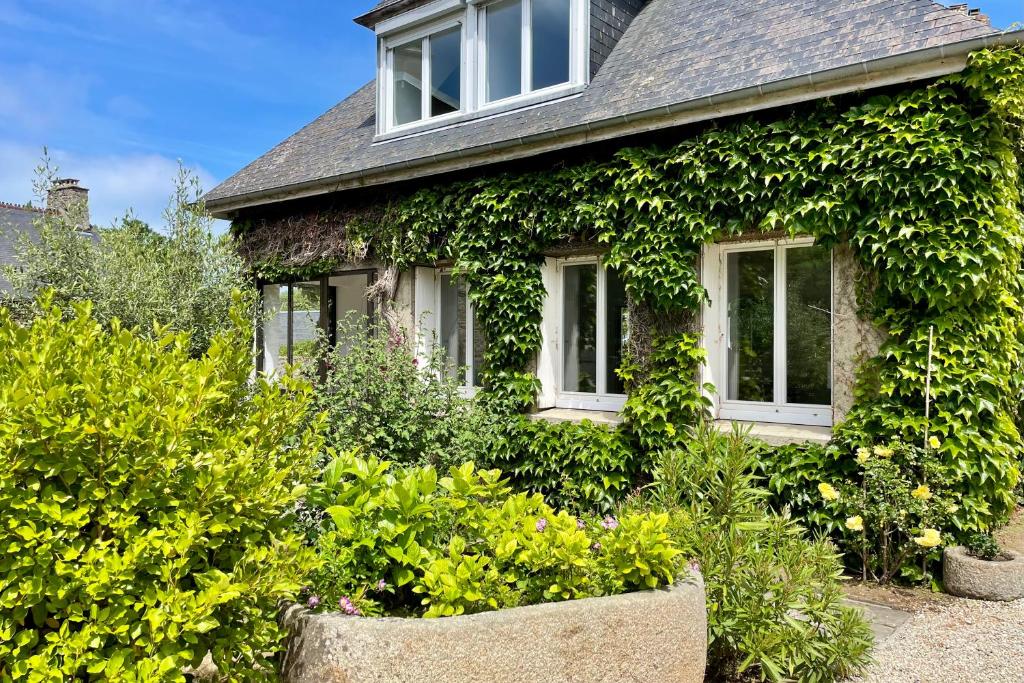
[780, 434]
[600, 417]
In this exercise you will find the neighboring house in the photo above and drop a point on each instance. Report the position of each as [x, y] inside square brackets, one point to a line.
[467, 88]
[18, 222]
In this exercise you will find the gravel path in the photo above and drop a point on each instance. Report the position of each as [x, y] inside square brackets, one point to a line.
[960, 640]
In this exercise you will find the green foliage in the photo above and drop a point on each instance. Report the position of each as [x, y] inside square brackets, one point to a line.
[923, 183]
[181, 279]
[983, 546]
[791, 474]
[893, 510]
[666, 393]
[378, 397]
[406, 542]
[576, 466]
[774, 597]
[143, 495]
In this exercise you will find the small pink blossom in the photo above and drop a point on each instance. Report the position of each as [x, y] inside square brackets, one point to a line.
[580, 524]
[542, 524]
[610, 523]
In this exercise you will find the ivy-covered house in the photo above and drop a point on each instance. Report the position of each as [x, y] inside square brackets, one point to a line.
[639, 210]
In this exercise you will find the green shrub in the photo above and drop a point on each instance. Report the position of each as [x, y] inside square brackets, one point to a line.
[893, 511]
[576, 466]
[774, 596]
[983, 546]
[380, 398]
[142, 501]
[405, 542]
[182, 277]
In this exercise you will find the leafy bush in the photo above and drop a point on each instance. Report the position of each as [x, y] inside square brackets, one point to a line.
[983, 546]
[895, 508]
[182, 278]
[142, 501]
[576, 466]
[378, 397]
[774, 599]
[405, 542]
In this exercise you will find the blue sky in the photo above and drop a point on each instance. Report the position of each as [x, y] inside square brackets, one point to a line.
[119, 90]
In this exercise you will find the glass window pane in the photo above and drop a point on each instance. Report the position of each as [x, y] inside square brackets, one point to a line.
[479, 346]
[616, 332]
[453, 324]
[445, 71]
[408, 82]
[275, 328]
[579, 347]
[751, 324]
[305, 321]
[550, 44]
[352, 308]
[504, 49]
[809, 325]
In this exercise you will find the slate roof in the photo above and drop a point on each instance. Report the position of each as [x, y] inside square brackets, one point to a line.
[15, 220]
[674, 52]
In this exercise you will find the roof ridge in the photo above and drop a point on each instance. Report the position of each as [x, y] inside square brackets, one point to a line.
[21, 207]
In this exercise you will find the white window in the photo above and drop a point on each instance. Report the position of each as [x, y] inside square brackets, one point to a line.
[526, 46]
[769, 331]
[446, 316]
[450, 58]
[424, 75]
[586, 330]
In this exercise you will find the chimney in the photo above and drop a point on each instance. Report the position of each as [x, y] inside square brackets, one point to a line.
[973, 13]
[70, 202]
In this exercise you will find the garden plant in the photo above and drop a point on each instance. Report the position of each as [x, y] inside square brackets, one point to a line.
[144, 500]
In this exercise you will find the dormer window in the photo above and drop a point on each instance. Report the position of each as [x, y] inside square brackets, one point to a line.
[526, 46]
[426, 76]
[449, 59]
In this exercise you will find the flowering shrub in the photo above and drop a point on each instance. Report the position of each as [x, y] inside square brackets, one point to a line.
[893, 510]
[406, 542]
[379, 397]
[143, 495]
[774, 598]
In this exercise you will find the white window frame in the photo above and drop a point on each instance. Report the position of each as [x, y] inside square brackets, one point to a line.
[716, 339]
[386, 73]
[420, 23]
[428, 314]
[554, 327]
[578, 28]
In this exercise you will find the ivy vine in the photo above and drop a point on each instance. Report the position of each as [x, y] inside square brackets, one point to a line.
[923, 183]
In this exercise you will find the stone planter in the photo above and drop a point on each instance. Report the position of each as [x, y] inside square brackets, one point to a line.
[970, 577]
[650, 636]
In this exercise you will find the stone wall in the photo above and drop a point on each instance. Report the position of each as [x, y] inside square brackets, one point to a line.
[654, 636]
[854, 339]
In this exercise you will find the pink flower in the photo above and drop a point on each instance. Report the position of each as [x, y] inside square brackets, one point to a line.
[382, 586]
[580, 524]
[313, 602]
[610, 523]
[347, 607]
[596, 547]
[542, 524]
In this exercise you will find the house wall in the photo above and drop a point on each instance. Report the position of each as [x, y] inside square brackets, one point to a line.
[854, 339]
[608, 21]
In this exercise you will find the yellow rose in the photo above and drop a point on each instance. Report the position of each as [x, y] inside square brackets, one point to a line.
[929, 538]
[934, 442]
[827, 492]
[855, 523]
[922, 492]
[862, 455]
[883, 451]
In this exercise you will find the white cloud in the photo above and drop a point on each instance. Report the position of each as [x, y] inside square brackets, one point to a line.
[117, 183]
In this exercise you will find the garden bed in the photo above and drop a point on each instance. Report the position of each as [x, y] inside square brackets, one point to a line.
[658, 635]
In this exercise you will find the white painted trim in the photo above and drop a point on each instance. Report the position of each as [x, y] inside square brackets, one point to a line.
[599, 400]
[716, 333]
[407, 20]
[547, 358]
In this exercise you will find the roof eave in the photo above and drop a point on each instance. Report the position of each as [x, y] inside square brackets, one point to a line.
[920, 64]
